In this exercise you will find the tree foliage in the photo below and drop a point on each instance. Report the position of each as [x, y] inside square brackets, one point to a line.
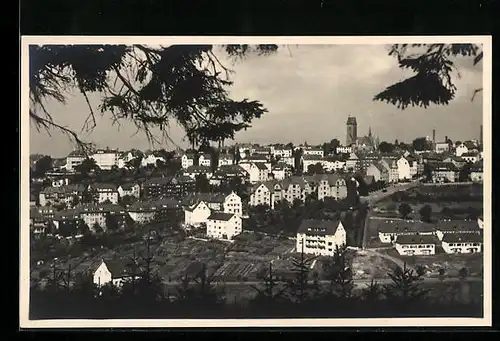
[404, 210]
[149, 86]
[433, 66]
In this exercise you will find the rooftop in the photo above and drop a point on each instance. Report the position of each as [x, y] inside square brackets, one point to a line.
[416, 239]
[220, 216]
[463, 238]
[318, 227]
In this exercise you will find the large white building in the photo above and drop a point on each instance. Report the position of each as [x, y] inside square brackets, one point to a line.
[74, 159]
[223, 226]
[106, 159]
[320, 237]
[105, 192]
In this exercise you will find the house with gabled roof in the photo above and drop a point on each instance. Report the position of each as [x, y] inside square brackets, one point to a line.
[223, 226]
[389, 229]
[196, 214]
[105, 192]
[462, 243]
[205, 160]
[113, 271]
[194, 171]
[443, 172]
[320, 237]
[416, 245]
[471, 157]
[58, 195]
[225, 160]
[130, 189]
[187, 160]
[476, 171]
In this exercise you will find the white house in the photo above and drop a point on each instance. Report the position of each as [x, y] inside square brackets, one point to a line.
[129, 189]
[320, 237]
[459, 227]
[106, 159]
[194, 171]
[232, 204]
[462, 243]
[105, 192]
[261, 195]
[389, 229]
[141, 212]
[187, 160]
[197, 214]
[352, 163]
[106, 272]
[404, 171]
[151, 159]
[290, 161]
[59, 182]
[461, 149]
[416, 245]
[205, 160]
[257, 171]
[225, 160]
[223, 226]
[74, 159]
[441, 147]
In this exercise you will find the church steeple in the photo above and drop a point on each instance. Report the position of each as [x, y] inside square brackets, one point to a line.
[370, 131]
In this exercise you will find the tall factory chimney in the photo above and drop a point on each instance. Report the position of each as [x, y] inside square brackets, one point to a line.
[434, 136]
[481, 135]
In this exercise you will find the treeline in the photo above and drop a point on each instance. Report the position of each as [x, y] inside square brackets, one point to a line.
[301, 295]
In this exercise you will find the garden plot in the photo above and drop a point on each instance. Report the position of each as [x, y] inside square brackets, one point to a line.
[367, 266]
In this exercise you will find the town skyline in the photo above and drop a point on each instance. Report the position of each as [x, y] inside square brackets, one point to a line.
[321, 82]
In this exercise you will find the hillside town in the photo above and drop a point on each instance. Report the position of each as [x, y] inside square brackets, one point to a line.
[205, 194]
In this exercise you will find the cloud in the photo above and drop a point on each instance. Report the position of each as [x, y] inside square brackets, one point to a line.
[309, 91]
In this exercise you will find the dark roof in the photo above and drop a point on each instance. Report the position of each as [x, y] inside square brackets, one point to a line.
[220, 216]
[128, 185]
[469, 145]
[313, 157]
[463, 238]
[118, 268]
[194, 198]
[68, 189]
[318, 227]
[444, 166]
[457, 225]
[400, 226]
[105, 208]
[66, 215]
[260, 165]
[99, 186]
[416, 239]
[198, 169]
[158, 181]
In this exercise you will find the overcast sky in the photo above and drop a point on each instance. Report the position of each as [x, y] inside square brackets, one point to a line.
[309, 91]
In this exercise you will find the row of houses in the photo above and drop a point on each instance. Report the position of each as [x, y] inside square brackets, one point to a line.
[299, 187]
[419, 238]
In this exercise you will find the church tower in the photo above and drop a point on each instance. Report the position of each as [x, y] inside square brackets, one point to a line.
[352, 131]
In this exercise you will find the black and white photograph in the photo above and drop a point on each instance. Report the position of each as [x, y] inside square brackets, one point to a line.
[255, 181]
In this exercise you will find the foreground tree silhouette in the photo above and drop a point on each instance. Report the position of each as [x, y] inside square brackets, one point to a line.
[339, 273]
[405, 292]
[270, 293]
[149, 86]
[433, 65]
